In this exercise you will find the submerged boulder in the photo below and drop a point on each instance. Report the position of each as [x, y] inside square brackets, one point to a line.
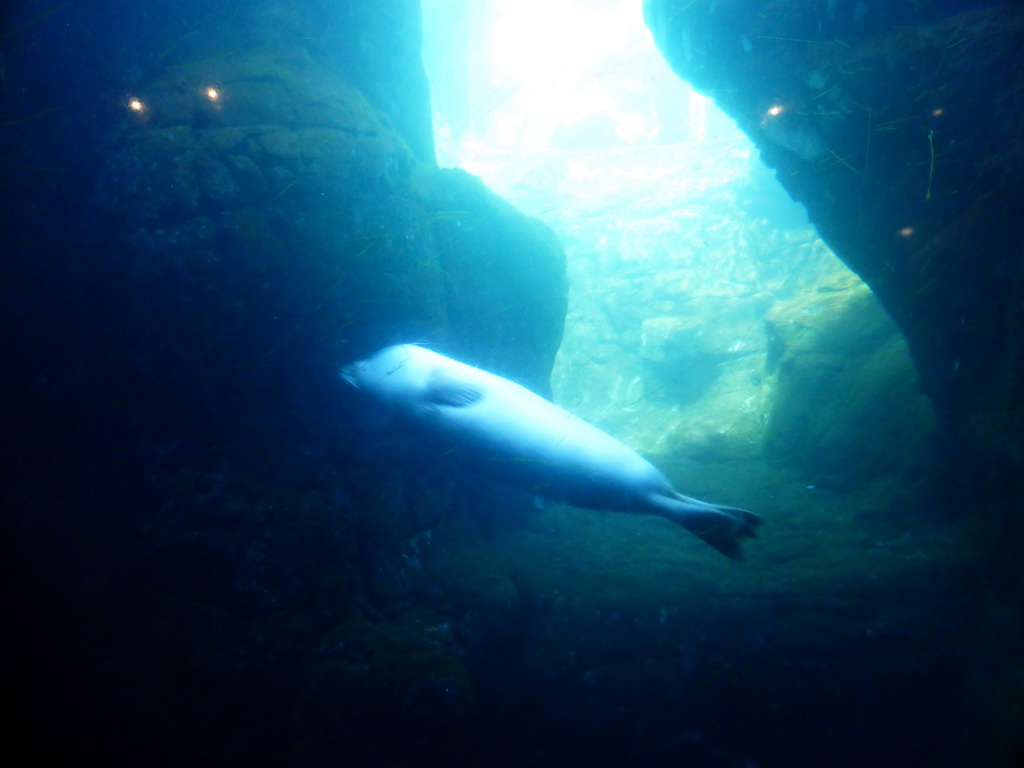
[897, 126]
[261, 224]
[843, 404]
[264, 224]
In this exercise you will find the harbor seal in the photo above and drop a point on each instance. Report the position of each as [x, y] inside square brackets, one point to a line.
[508, 433]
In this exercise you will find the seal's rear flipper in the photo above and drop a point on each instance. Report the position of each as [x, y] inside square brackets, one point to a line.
[721, 527]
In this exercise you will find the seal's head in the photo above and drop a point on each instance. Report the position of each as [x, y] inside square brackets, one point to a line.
[400, 371]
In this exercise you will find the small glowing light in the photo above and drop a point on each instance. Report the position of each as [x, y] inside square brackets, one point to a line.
[775, 110]
[135, 105]
[212, 94]
[906, 232]
[937, 112]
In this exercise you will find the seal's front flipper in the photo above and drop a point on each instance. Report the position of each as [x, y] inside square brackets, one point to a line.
[443, 390]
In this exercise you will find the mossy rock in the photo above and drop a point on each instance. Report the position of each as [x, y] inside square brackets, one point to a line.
[259, 241]
[844, 400]
[384, 688]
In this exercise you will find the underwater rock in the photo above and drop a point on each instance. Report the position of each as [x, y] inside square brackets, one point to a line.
[843, 400]
[713, 334]
[505, 279]
[917, 108]
[217, 550]
[916, 156]
[251, 244]
[263, 234]
[402, 683]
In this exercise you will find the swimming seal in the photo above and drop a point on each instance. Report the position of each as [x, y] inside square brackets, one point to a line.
[506, 432]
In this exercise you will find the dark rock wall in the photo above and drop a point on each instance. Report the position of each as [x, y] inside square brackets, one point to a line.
[898, 126]
[260, 239]
[206, 547]
[846, 404]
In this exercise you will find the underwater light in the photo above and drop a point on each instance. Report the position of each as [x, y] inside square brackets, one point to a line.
[136, 105]
[937, 112]
[213, 94]
[775, 110]
[907, 231]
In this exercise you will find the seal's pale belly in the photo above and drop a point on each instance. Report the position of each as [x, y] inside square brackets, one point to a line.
[516, 436]
[506, 432]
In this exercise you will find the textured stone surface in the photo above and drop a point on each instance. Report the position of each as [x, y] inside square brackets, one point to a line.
[897, 126]
[286, 229]
[711, 330]
[844, 402]
[235, 560]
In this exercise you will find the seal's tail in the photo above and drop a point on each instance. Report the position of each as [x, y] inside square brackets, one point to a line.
[721, 527]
